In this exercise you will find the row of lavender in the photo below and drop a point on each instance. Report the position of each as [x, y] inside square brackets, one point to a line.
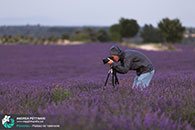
[67, 81]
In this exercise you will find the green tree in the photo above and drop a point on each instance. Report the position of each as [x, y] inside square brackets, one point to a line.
[4, 38]
[103, 36]
[80, 36]
[17, 38]
[65, 36]
[53, 38]
[42, 40]
[85, 35]
[151, 34]
[115, 33]
[172, 30]
[91, 33]
[128, 27]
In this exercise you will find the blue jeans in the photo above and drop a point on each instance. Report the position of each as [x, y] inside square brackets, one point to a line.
[143, 80]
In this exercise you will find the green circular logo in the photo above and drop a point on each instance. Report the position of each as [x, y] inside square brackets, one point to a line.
[8, 123]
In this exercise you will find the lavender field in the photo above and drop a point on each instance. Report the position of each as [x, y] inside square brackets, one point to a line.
[68, 81]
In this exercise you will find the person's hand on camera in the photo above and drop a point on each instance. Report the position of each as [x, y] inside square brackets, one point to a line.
[110, 61]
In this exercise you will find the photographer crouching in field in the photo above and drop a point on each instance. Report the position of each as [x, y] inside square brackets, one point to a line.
[132, 60]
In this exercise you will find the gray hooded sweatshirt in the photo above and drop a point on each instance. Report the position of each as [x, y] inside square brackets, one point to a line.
[131, 60]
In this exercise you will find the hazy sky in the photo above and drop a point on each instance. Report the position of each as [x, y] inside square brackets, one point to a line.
[94, 12]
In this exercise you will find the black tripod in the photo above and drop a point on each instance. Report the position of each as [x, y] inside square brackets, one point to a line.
[114, 77]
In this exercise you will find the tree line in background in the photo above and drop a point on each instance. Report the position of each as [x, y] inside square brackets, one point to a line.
[168, 31]
[85, 35]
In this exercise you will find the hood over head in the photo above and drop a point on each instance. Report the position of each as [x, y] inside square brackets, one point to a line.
[115, 50]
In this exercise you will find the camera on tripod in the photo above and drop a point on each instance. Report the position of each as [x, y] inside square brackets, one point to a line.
[111, 71]
[105, 61]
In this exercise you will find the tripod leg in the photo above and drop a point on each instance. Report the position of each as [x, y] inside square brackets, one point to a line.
[116, 79]
[107, 78]
[115, 76]
[113, 84]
